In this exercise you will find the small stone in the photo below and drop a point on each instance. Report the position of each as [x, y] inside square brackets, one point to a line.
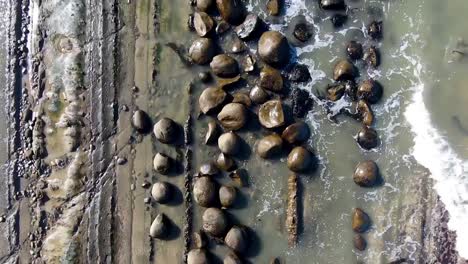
[248, 63]
[162, 163]
[214, 222]
[233, 116]
[299, 159]
[367, 138]
[372, 57]
[273, 7]
[366, 173]
[354, 50]
[212, 132]
[211, 99]
[302, 32]
[224, 66]
[271, 114]
[141, 121]
[245, 30]
[161, 192]
[204, 192]
[269, 146]
[338, 20]
[302, 103]
[361, 221]
[296, 133]
[225, 163]
[365, 113]
[159, 227]
[222, 27]
[299, 73]
[344, 70]
[236, 239]
[370, 90]
[258, 95]
[239, 176]
[333, 4]
[271, 79]
[121, 161]
[229, 143]
[227, 196]
[273, 48]
[359, 242]
[335, 92]
[232, 11]
[165, 130]
[204, 76]
[202, 51]
[374, 30]
[203, 23]
[145, 184]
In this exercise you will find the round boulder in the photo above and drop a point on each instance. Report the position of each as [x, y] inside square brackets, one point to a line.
[269, 146]
[366, 173]
[370, 90]
[227, 196]
[233, 116]
[344, 70]
[273, 48]
[161, 192]
[214, 222]
[361, 221]
[236, 239]
[232, 11]
[367, 138]
[229, 143]
[271, 114]
[299, 159]
[271, 79]
[202, 51]
[296, 133]
[224, 66]
[166, 130]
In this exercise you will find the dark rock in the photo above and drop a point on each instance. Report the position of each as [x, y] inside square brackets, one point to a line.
[248, 63]
[301, 102]
[159, 227]
[344, 70]
[299, 159]
[232, 11]
[374, 29]
[335, 91]
[204, 5]
[372, 57]
[273, 7]
[204, 76]
[225, 163]
[333, 4]
[212, 132]
[302, 32]
[242, 98]
[258, 95]
[249, 25]
[359, 242]
[222, 27]
[365, 113]
[354, 50]
[338, 20]
[299, 73]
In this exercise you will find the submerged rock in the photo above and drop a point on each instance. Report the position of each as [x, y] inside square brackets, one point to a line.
[211, 99]
[159, 227]
[258, 95]
[354, 50]
[361, 221]
[367, 138]
[227, 196]
[333, 4]
[370, 90]
[344, 70]
[296, 133]
[161, 192]
[232, 11]
[359, 242]
[212, 133]
[372, 57]
[224, 66]
[249, 25]
[269, 146]
[374, 29]
[302, 32]
[338, 20]
[366, 173]
[203, 23]
[204, 192]
[236, 239]
[271, 79]
[225, 163]
[299, 73]
[214, 222]
[166, 130]
[271, 114]
[273, 7]
[229, 143]
[202, 51]
[141, 121]
[162, 163]
[299, 159]
[351, 89]
[273, 48]
[302, 103]
[197, 256]
[233, 116]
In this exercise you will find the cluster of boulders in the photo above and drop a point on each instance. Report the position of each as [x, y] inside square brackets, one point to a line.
[362, 95]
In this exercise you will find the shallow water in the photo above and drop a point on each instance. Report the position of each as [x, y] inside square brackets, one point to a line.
[417, 41]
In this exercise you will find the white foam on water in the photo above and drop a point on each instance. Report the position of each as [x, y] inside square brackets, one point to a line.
[449, 171]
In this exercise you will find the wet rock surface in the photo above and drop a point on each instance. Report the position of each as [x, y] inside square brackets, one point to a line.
[211, 99]
[299, 159]
[273, 48]
[229, 143]
[271, 79]
[202, 51]
[366, 173]
[224, 66]
[232, 11]
[269, 146]
[233, 116]
[367, 138]
[360, 221]
[271, 114]
[296, 133]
